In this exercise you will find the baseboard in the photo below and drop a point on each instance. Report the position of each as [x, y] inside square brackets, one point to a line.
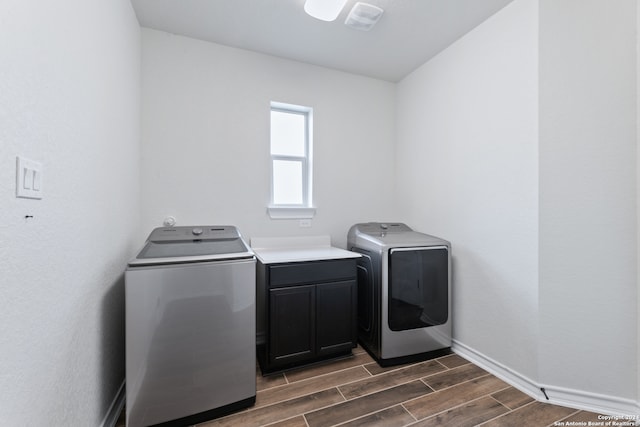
[593, 402]
[506, 374]
[111, 418]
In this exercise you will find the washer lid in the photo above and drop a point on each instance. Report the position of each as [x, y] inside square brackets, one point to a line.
[169, 245]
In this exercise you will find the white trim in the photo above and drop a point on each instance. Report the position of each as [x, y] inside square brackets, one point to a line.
[282, 212]
[286, 107]
[306, 160]
[115, 409]
[506, 374]
[593, 402]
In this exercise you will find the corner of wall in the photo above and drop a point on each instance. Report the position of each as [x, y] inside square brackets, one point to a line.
[588, 201]
[638, 200]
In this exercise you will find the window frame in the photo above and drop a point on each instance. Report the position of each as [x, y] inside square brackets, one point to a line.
[304, 209]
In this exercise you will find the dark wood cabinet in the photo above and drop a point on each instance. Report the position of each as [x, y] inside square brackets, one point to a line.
[306, 312]
[292, 324]
[336, 312]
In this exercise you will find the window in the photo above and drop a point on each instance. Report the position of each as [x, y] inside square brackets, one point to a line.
[291, 161]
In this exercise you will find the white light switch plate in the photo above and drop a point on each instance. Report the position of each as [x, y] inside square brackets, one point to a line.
[28, 178]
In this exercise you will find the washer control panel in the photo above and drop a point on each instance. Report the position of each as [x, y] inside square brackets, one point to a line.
[216, 232]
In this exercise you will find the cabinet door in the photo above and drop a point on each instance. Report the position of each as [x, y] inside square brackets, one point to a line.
[292, 327]
[336, 310]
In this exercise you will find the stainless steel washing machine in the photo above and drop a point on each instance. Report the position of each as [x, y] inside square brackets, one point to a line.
[404, 292]
[190, 326]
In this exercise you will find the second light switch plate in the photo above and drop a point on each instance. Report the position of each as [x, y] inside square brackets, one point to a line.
[28, 178]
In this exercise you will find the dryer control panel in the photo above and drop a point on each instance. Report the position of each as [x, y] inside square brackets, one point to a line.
[375, 228]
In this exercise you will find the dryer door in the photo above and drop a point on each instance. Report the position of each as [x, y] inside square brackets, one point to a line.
[418, 287]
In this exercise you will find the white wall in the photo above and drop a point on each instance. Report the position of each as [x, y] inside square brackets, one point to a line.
[637, 205]
[588, 223]
[555, 83]
[69, 85]
[205, 124]
[467, 171]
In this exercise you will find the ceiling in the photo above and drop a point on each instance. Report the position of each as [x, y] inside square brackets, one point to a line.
[409, 33]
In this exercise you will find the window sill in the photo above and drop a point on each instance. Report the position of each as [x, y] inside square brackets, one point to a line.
[281, 212]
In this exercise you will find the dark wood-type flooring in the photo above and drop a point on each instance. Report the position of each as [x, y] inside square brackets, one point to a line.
[356, 391]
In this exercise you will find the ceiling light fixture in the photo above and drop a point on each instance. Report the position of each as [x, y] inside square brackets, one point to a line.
[363, 16]
[325, 10]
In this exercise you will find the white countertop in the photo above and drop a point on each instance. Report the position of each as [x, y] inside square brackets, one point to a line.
[273, 250]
